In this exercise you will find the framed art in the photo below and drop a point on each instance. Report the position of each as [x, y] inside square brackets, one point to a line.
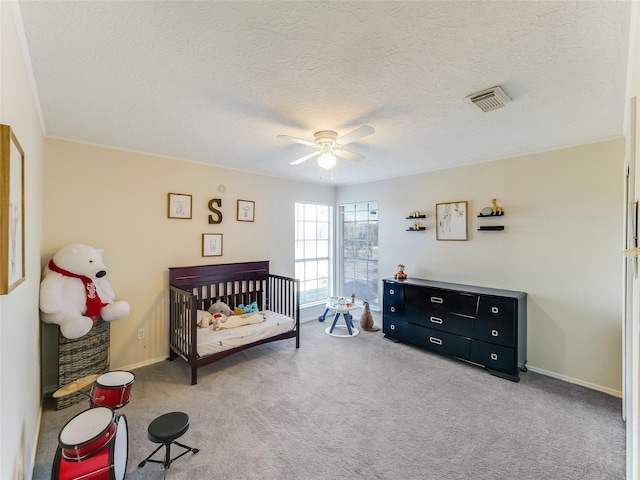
[179, 205]
[11, 211]
[451, 221]
[211, 244]
[246, 211]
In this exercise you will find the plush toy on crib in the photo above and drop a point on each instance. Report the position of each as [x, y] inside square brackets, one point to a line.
[251, 308]
[221, 321]
[220, 307]
[74, 293]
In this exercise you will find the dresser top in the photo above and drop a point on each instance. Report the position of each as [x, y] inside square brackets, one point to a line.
[419, 282]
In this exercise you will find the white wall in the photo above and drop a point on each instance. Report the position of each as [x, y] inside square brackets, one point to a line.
[562, 244]
[20, 392]
[117, 201]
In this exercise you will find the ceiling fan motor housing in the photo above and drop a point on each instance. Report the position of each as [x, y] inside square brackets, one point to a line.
[325, 136]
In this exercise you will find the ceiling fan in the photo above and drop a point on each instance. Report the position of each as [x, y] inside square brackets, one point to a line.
[331, 146]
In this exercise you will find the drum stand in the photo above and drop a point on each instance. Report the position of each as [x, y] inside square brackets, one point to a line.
[164, 430]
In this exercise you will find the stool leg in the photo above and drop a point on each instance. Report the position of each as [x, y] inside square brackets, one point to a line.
[167, 456]
[335, 320]
[347, 320]
[323, 317]
[141, 464]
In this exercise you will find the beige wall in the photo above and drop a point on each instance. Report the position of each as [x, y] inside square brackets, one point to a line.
[562, 244]
[117, 201]
[20, 392]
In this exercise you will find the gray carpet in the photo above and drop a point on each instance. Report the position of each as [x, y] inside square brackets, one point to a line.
[363, 408]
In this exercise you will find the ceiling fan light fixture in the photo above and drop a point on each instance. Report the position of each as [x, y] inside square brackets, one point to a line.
[327, 160]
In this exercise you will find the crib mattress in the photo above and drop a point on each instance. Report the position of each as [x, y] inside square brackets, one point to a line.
[211, 341]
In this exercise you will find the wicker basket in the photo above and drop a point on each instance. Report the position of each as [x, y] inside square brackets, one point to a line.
[80, 357]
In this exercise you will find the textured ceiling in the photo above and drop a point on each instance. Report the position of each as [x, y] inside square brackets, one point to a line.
[216, 82]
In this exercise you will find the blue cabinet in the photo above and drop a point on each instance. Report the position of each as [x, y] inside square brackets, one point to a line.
[483, 326]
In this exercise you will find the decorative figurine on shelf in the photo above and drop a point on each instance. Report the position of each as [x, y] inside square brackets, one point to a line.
[400, 275]
[417, 225]
[366, 320]
[495, 209]
[415, 214]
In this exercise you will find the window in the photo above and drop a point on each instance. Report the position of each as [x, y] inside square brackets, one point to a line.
[313, 252]
[359, 252]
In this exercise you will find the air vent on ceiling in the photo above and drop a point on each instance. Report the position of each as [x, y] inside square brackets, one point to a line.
[489, 99]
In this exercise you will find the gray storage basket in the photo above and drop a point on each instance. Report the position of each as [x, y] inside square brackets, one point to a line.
[80, 357]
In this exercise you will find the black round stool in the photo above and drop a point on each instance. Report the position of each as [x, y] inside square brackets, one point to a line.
[164, 430]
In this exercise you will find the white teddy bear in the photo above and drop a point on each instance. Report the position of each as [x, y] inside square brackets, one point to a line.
[74, 292]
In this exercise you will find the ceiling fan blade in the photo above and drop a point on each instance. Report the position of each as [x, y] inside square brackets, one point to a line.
[347, 155]
[356, 134]
[297, 140]
[305, 158]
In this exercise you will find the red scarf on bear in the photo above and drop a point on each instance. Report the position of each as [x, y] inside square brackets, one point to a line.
[94, 302]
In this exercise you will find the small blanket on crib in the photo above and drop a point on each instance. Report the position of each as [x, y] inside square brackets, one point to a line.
[211, 341]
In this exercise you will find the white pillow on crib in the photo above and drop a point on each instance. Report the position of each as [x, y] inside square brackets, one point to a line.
[234, 321]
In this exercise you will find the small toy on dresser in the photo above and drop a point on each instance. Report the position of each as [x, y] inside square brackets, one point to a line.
[400, 275]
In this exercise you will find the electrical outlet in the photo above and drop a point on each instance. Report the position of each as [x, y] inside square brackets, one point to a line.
[141, 334]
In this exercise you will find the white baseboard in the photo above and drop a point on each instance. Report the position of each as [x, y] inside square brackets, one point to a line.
[143, 364]
[592, 386]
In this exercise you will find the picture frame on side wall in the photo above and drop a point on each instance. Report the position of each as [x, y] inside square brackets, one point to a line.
[179, 206]
[211, 244]
[451, 221]
[12, 271]
[246, 211]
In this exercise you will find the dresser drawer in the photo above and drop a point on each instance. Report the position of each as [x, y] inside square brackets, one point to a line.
[497, 308]
[398, 329]
[501, 333]
[494, 357]
[439, 320]
[393, 293]
[443, 300]
[442, 342]
[395, 310]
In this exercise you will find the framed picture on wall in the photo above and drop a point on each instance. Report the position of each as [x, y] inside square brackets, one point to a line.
[11, 211]
[246, 211]
[211, 244]
[179, 205]
[451, 221]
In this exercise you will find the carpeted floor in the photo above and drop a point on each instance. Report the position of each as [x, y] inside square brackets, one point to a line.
[363, 408]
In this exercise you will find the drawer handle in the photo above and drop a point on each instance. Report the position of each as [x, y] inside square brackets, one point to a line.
[436, 320]
[393, 309]
[495, 310]
[435, 340]
[392, 327]
[494, 333]
[437, 300]
[391, 291]
[494, 356]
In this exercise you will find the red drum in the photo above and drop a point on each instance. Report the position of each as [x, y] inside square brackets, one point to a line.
[108, 463]
[112, 389]
[87, 432]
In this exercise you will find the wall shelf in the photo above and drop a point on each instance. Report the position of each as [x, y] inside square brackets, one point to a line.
[421, 229]
[419, 216]
[490, 228]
